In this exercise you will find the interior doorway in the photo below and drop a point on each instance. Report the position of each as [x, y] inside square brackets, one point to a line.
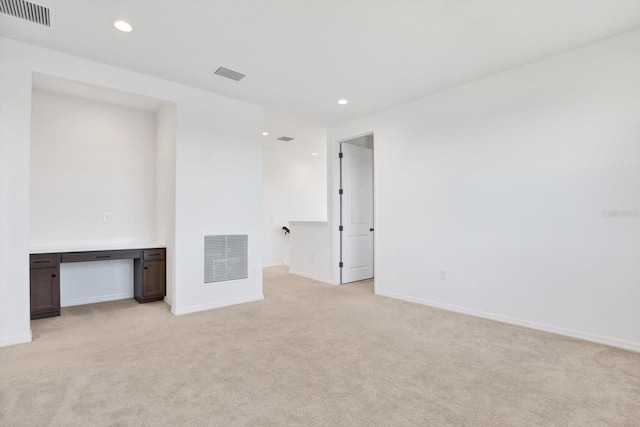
[356, 209]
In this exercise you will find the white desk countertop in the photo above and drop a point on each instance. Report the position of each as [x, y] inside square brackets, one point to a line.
[96, 246]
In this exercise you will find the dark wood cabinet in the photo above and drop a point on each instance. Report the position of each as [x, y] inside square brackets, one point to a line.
[149, 282]
[150, 271]
[153, 279]
[101, 255]
[45, 286]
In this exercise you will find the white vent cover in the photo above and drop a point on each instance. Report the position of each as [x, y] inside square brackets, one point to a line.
[225, 258]
[230, 74]
[27, 11]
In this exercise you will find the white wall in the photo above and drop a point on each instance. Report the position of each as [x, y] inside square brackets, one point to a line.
[166, 190]
[92, 282]
[502, 183]
[294, 188]
[89, 158]
[218, 191]
[311, 250]
[276, 209]
[15, 123]
[218, 183]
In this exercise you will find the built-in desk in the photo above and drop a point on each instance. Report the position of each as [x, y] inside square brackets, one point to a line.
[149, 271]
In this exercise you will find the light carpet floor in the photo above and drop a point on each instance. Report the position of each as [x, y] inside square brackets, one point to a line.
[309, 354]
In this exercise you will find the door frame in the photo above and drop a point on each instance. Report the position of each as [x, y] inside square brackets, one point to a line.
[334, 165]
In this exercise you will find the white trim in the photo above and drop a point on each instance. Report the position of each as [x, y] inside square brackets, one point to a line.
[272, 264]
[349, 138]
[168, 301]
[215, 304]
[308, 222]
[311, 276]
[600, 339]
[333, 148]
[16, 339]
[93, 300]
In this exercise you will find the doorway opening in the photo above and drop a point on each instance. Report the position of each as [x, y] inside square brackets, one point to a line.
[356, 195]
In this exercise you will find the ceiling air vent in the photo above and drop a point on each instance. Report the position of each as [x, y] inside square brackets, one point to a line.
[285, 138]
[230, 74]
[27, 11]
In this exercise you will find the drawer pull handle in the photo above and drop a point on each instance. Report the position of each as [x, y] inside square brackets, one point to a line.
[104, 256]
[154, 254]
[40, 262]
[53, 275]
[145, 268]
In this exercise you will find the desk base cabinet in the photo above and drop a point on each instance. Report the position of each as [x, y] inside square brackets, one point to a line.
[44, 291]
[149, 282]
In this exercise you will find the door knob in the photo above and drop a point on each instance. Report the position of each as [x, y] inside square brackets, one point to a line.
[145, 268]
[53, 275]
[371, 229]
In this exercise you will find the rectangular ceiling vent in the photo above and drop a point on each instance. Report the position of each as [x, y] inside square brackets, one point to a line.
[230, 74]
[27, 11]
[225, 258]
[285, 138]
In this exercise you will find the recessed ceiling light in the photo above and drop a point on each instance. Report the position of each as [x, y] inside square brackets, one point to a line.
[343, 102]
[265, 133]
[123, 26]
[314, 154]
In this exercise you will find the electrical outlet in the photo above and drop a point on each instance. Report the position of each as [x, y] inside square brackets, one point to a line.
[442, 275]
[106, 217]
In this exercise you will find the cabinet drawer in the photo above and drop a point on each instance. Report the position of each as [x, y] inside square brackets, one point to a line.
[43, 261]
[153, 254]
[99, 256]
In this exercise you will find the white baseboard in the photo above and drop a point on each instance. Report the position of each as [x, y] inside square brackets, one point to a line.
[16, 339]
[92, 300]
[216, 304]
[600, 339]
[168, 301]
[272, 264]
[311, 276]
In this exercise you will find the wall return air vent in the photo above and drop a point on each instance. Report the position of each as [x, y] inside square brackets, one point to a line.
[225, 258]
[27, 11]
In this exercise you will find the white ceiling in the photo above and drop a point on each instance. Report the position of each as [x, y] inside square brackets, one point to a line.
[300, 57]
[96, 93]
[309, 137]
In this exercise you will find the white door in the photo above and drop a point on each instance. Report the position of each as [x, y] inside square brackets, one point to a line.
[357, 213]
